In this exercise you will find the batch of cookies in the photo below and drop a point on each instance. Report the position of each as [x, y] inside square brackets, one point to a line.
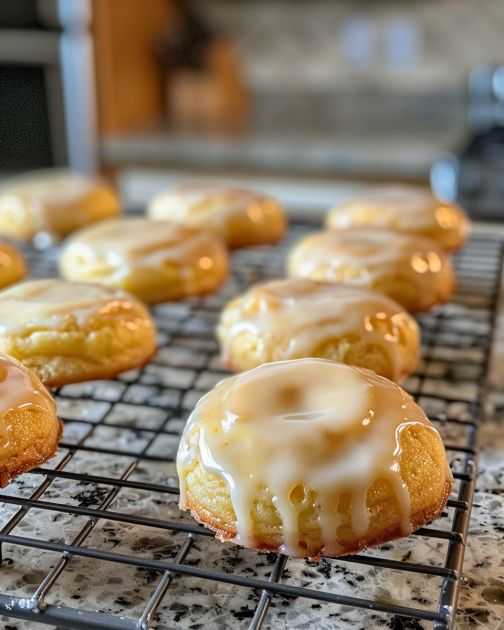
[312, 447]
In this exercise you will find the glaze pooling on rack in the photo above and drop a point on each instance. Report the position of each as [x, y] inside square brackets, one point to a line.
[292, 318]
[52, 303]
[301, 429]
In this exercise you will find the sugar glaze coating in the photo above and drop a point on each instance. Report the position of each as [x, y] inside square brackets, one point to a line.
[306, 431]
[412, 270]
[409, 209]
[29, 427]
[297, 317]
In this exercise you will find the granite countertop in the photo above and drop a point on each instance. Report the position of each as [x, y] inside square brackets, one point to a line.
[194, 603]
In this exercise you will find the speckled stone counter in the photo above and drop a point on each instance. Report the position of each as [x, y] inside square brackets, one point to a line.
[196, 604]
[122, 416]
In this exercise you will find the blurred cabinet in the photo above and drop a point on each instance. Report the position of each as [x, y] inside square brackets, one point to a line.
[129, 78]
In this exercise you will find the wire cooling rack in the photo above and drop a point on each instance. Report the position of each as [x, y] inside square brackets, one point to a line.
[94, 539]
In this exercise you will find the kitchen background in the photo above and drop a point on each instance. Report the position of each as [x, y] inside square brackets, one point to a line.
[337, 91]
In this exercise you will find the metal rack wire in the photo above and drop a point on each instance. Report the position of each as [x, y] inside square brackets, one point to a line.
[112, 490]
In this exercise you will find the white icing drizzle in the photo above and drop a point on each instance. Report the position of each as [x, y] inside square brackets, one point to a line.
[19, 389]
[125, 244]
[291, 318]
[48, 303]
[206, 203]
[401, 206]
[45, 194]
[305, 425]
[361, 256]
[49, 186]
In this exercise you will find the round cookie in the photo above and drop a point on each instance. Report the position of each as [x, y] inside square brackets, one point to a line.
[297, 317]
[70, 332]
[241, 217]
[406, 209]
[12, 265]
[53, 201]
[155, 260]
[413, 271]
[29, 427]
[311, 457]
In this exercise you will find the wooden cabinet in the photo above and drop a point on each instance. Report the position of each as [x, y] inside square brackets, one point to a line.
[130, 81]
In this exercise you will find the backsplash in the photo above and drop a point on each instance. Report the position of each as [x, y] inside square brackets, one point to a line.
[413, 45]
[360, 67]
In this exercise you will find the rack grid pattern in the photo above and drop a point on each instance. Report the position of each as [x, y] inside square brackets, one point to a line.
[109, 499]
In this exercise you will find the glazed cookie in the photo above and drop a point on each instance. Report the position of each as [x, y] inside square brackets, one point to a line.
[155, 260]
[240, 217]
[53, 201]
[29, 427]
[311, 457]
[296, 318]
[411, 270]
[406, 209]
[70, 332]
[12, 265]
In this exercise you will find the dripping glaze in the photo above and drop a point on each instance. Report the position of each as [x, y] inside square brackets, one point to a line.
[313, 423]
[19, 389]
[294, 316]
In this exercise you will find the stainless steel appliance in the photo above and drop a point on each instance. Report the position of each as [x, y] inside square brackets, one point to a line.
[47, 108]
[474, 175]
